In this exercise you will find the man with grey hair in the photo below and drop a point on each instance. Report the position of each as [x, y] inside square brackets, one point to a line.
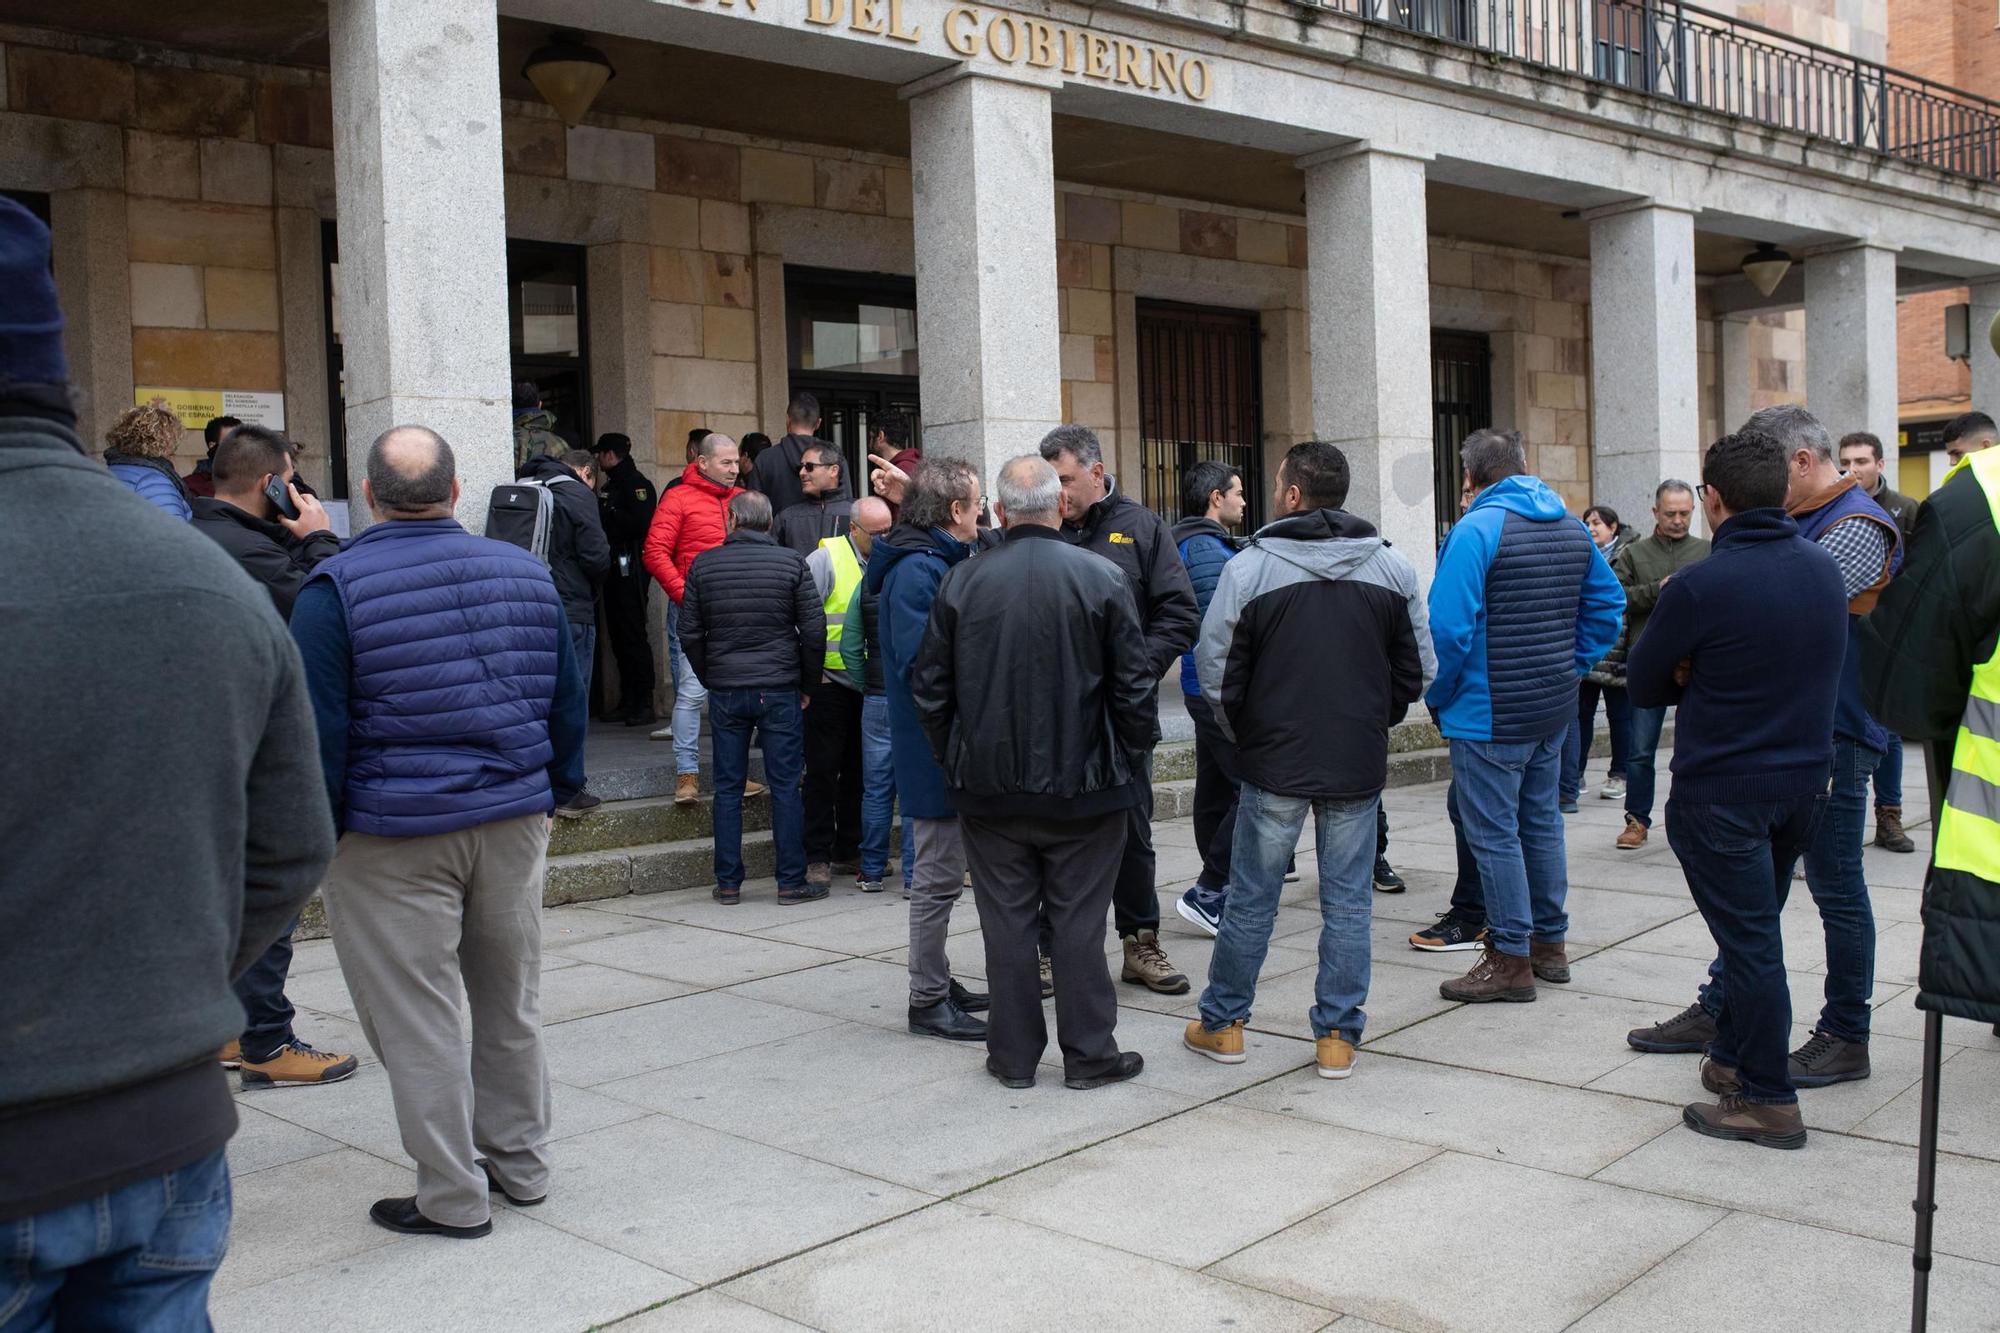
[1832, 511]
[1099, 517]
[1044, 782]
[1643, 569]
[448, 737]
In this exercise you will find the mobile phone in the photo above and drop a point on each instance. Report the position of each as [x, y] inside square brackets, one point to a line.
[276, 492]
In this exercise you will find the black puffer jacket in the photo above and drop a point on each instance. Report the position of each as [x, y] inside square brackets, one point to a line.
[579, 554]
[1933, 624]
[268, 552]
[1135, 539]
[1034, 684]
[750, 619]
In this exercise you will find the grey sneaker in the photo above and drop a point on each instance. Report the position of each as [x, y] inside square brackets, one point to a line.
[1612, 790]
[868, 885]
[1826, 1059]
[819, 875]
[1146, 965]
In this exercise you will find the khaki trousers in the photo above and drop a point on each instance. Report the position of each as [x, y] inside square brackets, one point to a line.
[416, 923]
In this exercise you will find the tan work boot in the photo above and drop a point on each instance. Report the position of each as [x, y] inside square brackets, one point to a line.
[232, 1054]
[1496, 976]
[687, 789]
[753, 789]
[1224, 1046]
[297, 1062]
[1146, 965]
[1335, 1055]
[1633, 836]
[1889, 833]
[1720, 1079]
[1550, 961]
[1765, 1125]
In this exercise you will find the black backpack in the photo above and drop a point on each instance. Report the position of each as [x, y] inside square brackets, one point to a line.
[522, 513]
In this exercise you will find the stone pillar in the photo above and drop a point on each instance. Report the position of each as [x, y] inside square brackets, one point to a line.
[423, 248]
[1369, 316]
[1985, 299]
[87, 237]
[1736, 371]
[984, 199]
[1851, 343]
[621, 340]
[1645, 385]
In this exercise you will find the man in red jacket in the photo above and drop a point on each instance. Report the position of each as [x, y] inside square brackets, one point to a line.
[691, 518]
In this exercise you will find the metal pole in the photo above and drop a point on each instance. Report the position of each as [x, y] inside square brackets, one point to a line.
[1936, 766]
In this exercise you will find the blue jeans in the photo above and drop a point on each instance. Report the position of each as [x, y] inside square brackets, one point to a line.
[878, 793]
[1646, 725]
[1507, 806]
[1738, 861]
[778, 720]
[1889, 773]
[1576, 748]
[137, 1258]
[689, 696]
[583, 640]
[1839, 888]
[1267, 833]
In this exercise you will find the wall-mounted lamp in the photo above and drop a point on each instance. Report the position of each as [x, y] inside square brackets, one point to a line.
[1766, 267]
[569, 74]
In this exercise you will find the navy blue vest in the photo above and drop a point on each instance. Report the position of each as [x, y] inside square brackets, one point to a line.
[455, 644]
[1532, 591]
[1850, 715]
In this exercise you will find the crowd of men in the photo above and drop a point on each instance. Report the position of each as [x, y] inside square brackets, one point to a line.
[396, 720]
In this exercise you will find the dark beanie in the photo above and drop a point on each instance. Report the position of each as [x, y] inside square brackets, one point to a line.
[31, 350]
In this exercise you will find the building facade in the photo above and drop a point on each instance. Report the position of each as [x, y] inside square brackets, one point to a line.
[1204, 228]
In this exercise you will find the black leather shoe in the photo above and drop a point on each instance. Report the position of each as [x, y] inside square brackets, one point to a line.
[973, 1002]
[1128, 1066]
[945, 1019]
[401, 1215]
[1008, 1080]
[493, 1186]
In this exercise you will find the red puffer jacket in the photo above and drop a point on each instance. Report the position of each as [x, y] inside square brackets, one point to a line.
[690, 519]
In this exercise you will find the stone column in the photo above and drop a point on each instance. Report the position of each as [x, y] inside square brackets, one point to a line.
[984, 198]
[423, 248]
[1736, 371]
[1985, 300]
[1369, 318]
[1645, 386]
[88, 238]
[1851, 343]
[621, 340]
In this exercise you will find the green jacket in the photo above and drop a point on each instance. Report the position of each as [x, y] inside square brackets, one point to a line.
[535, 434]
[1899, 507]
[1935, 621]
[1641, 567]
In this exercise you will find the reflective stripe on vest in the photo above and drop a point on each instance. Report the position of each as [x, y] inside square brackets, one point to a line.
[1968, 833]
[846, 578]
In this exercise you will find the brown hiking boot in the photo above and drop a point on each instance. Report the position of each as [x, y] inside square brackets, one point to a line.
[1720, 1079]
[1889, 829]
[1747, 1122]
[1224, 1045]
[1633, 836]
[1496, 976]
[751, 789]
[819, 875]
[1550, 961]
[297, 1062]
[1687, 1033]
[687, 789]
[1335, 1056]
[232, 1054]
[1146, 965]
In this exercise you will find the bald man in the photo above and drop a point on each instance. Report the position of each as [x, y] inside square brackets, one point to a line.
[861, 660]
[443, 811]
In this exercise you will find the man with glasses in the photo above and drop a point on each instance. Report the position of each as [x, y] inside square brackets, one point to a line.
[826, 508]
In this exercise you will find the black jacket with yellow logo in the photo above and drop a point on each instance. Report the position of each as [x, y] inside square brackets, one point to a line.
[1134, 538]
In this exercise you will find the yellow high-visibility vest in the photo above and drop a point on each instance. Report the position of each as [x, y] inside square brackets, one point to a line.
[1968, 832]
[846, 578]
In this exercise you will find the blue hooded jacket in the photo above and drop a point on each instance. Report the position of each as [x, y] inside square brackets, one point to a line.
[904, 571]
[1523, 605]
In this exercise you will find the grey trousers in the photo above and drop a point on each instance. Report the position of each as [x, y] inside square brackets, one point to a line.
[1022, 868]
[414, 920]
[937, 880]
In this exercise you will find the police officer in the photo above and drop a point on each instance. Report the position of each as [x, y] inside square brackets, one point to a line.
[628, 500]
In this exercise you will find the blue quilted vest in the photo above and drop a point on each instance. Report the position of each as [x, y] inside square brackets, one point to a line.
[1850, 716]
[1532, 593]
[455, 642]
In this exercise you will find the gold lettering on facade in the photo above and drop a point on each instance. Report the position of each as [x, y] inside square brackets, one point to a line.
[1041, 44]
[1166, 71]
[1193, 66]
[1071, 48]
[868, 19]
[897, 32]
[1128, 64]
[1012, 27]
[1097, 57]
[961, 30]
[825, 13]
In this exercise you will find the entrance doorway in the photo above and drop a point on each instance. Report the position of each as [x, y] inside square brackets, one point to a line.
[852, 344]
[1461, 403]
[1200, 398]
[547, 339]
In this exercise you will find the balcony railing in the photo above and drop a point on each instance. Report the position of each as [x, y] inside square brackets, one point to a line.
[1718, 63]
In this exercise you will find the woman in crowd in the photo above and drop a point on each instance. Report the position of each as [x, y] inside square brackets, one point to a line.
[1606, 678]
[140, 453]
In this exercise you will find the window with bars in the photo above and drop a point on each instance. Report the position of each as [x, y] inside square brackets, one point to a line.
[1461, 403]
[1200, 397]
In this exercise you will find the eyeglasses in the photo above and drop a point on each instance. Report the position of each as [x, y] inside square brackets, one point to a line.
[807, 467]
[1701, 492]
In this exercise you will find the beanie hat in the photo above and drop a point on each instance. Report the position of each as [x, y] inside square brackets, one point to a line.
[31, 322]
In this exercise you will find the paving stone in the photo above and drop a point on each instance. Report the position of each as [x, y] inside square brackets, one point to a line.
[757, 911]
[705, 1204]
[1483, 1114]
[860, 990]
[284, 1240]
[1968, 1092]
[867, 1282]
[698, 957]
[1563, 1037]
[1174, 1068]
[881, 922]
[262, 1140]
[671, 1032]
[707, 1312]
[1849, 1184]
[1279, 1169]
[564, 926]
[1383, 1254]
[1807, 1280]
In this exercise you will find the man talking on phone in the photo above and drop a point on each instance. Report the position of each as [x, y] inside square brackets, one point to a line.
[278, 545]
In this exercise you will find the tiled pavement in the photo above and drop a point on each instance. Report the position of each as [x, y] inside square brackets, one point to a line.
[748, 1139]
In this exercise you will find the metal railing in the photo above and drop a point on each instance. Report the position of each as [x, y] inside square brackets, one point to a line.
[1709, 60]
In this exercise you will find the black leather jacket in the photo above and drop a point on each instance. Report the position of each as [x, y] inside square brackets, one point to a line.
[1034, 684]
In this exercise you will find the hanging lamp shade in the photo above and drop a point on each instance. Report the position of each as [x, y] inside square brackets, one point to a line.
[1993, 334]
[1766, 267]
[569, 74]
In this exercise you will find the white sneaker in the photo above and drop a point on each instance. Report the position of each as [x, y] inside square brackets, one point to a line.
[1612, 790]
[665, 733]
